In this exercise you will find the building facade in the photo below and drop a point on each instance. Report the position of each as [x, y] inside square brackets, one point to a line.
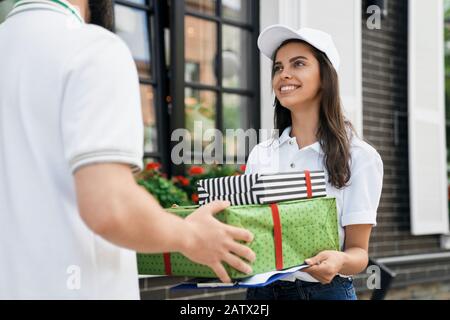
[198, 60]
[405, 119]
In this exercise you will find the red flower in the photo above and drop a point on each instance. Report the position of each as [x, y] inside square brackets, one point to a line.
[194, 197]
[243, 167]
[182, 180]
[152, 166]
[196, 170]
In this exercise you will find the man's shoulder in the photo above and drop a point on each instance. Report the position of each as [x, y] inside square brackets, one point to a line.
[92, 43]
[90, 35]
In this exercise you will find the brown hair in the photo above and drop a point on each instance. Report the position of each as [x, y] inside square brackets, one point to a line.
[102, 13]
[334, 129]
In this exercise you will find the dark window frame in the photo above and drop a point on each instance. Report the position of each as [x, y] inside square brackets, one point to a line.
[169, 84]
[155, 12]
[178, 84]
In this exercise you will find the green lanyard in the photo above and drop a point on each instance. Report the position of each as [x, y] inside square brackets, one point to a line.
[60, 3]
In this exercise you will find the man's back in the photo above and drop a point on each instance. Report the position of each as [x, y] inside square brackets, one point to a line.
[51, 125]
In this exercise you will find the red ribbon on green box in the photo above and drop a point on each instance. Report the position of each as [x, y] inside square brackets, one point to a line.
[285, 234]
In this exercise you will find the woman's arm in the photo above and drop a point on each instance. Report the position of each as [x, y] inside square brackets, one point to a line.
[327, 264]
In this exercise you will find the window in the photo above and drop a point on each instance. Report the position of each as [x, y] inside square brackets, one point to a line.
[215, 68]
[138, 23]
[197, 61]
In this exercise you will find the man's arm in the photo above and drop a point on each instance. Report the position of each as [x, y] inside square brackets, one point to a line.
[116, 208]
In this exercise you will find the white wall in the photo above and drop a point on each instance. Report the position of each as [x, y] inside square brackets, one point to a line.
[269, 11]
[426, 115]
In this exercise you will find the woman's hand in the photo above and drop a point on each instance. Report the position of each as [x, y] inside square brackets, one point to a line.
[325, 265]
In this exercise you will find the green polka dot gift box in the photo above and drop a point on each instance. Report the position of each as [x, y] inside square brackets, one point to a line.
[285, 234]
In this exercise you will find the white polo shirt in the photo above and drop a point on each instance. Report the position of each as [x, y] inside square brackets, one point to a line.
[69, 97]
[356, 203]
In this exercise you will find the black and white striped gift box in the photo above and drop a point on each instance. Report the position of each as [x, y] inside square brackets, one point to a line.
[263, 188]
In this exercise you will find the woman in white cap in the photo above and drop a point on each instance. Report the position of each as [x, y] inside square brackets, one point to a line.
[316, 136]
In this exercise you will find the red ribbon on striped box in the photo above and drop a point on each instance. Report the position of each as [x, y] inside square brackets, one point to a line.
[263, 188]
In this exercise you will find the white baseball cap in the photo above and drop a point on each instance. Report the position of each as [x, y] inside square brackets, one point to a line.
[273, 36]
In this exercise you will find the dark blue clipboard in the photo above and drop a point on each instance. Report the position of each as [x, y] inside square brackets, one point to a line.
[192, 284]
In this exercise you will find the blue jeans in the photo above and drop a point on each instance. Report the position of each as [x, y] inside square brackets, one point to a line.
[339, 289]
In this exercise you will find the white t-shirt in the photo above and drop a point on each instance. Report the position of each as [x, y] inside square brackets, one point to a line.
[69, 97]
[356, 203]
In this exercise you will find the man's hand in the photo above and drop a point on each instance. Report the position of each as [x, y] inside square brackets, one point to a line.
[116, 208]
[325, 266]
[211, 242]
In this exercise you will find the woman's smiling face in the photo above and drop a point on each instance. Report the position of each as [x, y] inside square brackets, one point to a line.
[296, 75]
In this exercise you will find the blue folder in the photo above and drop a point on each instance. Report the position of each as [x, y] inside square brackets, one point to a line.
[214, 283]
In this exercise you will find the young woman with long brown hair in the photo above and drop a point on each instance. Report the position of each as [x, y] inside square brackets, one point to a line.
[316, 136]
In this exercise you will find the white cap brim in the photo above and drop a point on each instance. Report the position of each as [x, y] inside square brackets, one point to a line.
[272, 37]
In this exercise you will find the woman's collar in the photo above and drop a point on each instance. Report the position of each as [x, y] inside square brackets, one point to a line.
[286, 137]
